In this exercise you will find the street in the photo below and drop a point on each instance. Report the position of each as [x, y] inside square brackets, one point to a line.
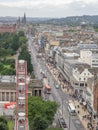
[58, 95]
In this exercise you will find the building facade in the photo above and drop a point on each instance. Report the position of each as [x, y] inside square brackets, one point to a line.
[7, 28]
[8, 90]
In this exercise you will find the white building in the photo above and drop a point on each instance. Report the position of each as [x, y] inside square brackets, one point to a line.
[90, 57]
[81, 75]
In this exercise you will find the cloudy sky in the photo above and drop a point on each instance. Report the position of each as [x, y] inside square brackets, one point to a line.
[48, 8]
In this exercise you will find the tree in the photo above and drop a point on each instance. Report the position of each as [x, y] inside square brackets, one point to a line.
[3, 124]
[22, 40]
[24, 54]
[8, 71]
[39, 123]
[1, 66]
[41, 111]
[2, 119]
[15, 44]
[21, 33]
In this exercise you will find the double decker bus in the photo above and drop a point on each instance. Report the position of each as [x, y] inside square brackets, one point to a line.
[47, 87]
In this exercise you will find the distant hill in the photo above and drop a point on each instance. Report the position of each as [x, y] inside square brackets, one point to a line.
[72, 20]
[75, 20]
[9, 19]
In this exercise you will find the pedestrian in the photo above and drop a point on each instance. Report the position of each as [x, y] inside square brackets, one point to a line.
[78, 111]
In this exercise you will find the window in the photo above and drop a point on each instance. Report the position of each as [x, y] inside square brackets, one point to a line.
[86, 84]
[7, 96]
[84, 73]
[81, 84]
[3, 96]
[11, 96]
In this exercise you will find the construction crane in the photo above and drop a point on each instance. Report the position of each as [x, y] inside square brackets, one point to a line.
[21, 120]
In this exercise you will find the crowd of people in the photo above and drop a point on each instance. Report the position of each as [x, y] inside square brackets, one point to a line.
[88, 120]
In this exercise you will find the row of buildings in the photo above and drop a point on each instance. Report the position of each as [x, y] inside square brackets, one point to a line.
[13, 27]
[74, 51]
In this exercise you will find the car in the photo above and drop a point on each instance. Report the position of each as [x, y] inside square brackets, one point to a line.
[56, 86]
[63, 124]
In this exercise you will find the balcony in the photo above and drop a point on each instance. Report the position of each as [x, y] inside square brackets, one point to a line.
[21, 84]
[21, 114]
[21, 98]
[21, 106]
[21, 101]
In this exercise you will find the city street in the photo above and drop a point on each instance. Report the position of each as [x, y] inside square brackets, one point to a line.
[58, 95]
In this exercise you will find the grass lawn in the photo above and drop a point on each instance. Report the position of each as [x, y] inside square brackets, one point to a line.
[11, 57]
[7, 66]
[10, 125]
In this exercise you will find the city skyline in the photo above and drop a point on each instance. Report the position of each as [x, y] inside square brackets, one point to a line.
[48, 8]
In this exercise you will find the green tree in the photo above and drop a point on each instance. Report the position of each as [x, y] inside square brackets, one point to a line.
[41, 110]
[21, 33]
[22, 40]
[1, 66]
[24, 54]
[39, 123]
[3, 124]
[8, 71]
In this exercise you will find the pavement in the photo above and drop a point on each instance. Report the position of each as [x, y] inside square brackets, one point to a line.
[82, 112]
[80, 108]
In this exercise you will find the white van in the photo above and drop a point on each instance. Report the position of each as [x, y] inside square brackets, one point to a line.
[71, 109]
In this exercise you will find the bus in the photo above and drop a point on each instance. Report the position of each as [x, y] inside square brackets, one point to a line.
[47, 89]
[71, 109]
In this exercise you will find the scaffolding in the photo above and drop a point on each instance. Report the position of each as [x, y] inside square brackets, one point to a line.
[21, 96]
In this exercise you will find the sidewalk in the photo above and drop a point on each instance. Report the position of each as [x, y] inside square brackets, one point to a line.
[84, 116]
[88, 122]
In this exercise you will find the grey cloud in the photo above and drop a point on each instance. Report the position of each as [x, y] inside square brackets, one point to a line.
[75, 8]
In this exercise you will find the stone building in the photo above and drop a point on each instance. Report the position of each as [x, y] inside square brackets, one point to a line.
[11, 28]
[96, 95]
[8, 90]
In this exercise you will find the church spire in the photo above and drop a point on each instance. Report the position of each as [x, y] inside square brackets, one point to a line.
[24, 19]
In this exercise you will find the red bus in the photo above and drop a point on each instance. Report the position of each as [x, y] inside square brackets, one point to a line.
[47, 89]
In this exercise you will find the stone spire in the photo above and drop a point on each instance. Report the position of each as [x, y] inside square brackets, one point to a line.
[24, 19]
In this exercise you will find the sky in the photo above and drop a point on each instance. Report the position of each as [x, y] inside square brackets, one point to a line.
[48, 8]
